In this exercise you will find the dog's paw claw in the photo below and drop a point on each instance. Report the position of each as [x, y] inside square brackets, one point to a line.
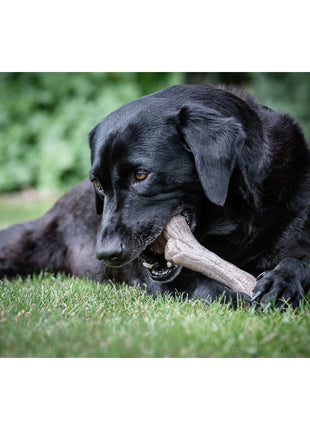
[256, 295]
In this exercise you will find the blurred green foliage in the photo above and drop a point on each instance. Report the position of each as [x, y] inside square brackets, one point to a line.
[45, 117]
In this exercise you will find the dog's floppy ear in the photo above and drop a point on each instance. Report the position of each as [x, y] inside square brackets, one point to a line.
[216, 142]
[99, 202]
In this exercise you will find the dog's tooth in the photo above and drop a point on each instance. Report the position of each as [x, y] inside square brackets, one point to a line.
[147, 265]
[169, 264]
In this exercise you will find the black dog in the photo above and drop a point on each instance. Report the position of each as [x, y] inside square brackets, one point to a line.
[238, 171]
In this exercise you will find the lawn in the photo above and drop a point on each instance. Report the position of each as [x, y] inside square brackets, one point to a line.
[58, 316]
[23, 206]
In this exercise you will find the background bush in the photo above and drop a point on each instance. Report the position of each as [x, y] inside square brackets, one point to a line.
[45, 117]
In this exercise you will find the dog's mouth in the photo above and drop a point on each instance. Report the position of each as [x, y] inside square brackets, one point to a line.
[154, 260]
[153, 255]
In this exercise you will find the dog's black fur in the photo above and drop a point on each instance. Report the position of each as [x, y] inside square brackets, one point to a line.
[239, 171]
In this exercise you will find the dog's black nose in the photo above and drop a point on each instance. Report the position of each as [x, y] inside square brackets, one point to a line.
[110, 253]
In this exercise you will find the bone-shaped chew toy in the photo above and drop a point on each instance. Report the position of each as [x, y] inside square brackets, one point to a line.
[183, 249]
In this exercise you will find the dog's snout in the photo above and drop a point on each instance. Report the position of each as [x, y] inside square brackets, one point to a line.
[110, 252]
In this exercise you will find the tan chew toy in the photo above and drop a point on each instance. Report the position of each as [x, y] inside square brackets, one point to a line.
[183, 249]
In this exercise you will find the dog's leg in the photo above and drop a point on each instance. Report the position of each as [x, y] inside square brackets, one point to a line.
[28, 248]
[62, 240]
[209, 290]
[195, 286]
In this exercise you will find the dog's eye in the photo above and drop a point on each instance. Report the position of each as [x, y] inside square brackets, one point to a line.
[97, 185]
[140, 175]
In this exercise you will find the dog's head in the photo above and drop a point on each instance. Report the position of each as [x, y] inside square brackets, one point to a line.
[152, 159]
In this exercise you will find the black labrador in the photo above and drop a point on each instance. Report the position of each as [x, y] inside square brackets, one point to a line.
[238, 171]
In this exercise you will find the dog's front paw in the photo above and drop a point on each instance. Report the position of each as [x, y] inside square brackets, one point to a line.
[281, 287]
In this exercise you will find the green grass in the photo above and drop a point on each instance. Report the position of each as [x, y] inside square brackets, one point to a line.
[64, 317]
[58, 316]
